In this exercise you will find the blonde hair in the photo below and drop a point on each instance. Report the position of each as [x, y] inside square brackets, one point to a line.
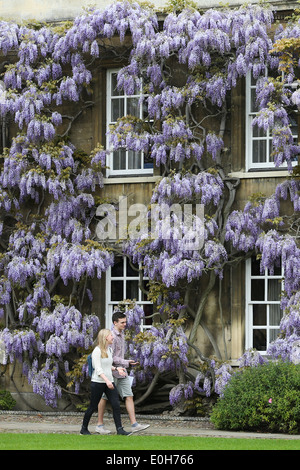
[102, 335]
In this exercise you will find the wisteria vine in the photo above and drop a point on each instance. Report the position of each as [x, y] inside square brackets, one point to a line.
[47, 190]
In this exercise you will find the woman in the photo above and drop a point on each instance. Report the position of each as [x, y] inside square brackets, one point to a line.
[102, 381]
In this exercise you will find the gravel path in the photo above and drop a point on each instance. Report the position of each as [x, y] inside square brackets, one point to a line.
[70, 423]
[17, 421]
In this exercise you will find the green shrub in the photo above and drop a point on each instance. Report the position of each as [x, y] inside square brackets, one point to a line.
[264, 398]
[7, 402]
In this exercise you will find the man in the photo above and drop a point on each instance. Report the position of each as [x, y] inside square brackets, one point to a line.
[123, 384]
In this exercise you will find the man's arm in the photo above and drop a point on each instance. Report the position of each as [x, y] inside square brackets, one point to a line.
[118, 352]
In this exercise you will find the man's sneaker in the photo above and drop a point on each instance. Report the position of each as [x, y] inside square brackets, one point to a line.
[123, 432]
[139, 427]
[102, 430]
[84, 431]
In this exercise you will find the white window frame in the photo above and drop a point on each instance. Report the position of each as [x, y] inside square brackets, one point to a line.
[250, 139]
[109, 98]
[268, 327]
[112, 304]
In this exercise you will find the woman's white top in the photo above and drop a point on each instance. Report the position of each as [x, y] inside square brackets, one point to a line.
[101, 365]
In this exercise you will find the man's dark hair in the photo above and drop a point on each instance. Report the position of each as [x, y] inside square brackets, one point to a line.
[117, 315]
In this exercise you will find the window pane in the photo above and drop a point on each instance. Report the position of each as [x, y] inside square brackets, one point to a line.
[277, 271]
[144, 109]
[117, 109]
[257, 289]
[259, 133]
[134, 160]
[148, 161]
[254, 108]
[119, 160]
[146, 288]
[114, 90]
[274, 289]
[260, 340]
[255, 266]
[274, 314]
[273, 334]
[117, 269]
[259, 151]
[259, 315]
[132, 290]
[294, 124]
[148, 310]
[133, 107]
[130, 272]
[117, 290]
[271, 153]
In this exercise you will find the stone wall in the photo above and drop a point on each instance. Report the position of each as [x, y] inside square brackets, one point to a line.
[60, 10]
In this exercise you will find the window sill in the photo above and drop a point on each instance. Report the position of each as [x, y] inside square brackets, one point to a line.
[259, 174]
[131, 179]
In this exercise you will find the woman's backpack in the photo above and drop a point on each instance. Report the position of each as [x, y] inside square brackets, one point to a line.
[90, 365]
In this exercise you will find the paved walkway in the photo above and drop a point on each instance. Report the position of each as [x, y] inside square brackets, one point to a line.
[70, 423]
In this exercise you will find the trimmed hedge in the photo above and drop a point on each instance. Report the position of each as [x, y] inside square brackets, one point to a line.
[7, 402]
[265, 398]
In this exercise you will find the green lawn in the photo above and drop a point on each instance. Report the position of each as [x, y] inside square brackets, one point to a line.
[13, 441]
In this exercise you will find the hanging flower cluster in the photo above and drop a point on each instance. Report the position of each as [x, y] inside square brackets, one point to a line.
[250, 229]
[161, 348]
[182, 247]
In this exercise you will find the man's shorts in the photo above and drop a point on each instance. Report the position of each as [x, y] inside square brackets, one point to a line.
[123, 386]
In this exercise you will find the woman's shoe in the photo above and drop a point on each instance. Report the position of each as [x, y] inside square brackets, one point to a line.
[84, 431]
[123, 432]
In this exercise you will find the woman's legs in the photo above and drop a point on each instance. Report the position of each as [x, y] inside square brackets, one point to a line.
[97, 390]
[113, 397]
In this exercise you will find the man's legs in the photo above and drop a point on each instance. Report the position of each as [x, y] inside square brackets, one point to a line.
[129, 403]
[101, 409]
[125, 391]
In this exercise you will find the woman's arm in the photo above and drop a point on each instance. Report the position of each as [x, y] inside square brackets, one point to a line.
[99, 369]
[97, 361]
[107, 381]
